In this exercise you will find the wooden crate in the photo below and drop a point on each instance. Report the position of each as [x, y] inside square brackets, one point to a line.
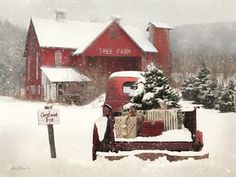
[125, 127]
[170, 117]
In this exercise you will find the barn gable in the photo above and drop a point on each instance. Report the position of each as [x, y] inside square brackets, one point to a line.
[128, 33]
[114, 41]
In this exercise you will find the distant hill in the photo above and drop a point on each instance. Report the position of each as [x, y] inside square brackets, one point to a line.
[214, 43]
[200, 37]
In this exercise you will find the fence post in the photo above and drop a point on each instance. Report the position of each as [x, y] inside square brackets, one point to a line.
[51, 137]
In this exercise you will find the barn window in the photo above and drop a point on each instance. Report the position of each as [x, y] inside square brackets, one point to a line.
[37, 66]
[113, 33]
[33, 89]
[58, 57]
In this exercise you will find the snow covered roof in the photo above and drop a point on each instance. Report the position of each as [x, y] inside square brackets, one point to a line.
[139, 38]
[161, 25]
[67, 34]
[136, 74]
[63, 74]
[79, 35]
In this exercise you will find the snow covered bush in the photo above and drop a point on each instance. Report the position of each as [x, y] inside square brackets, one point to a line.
[226, 101]
[153, 91]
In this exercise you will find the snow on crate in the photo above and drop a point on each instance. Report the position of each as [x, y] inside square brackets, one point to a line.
[177, 135]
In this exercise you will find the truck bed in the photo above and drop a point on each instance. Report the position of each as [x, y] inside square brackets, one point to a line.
[178, 135]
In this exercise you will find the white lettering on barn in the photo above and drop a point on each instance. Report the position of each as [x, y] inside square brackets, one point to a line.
[123, 51]
[109, 51]
[105, 51]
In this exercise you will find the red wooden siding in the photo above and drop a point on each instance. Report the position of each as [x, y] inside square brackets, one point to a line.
[161, 42]
[149, 58]
[48, 56]
[107, 65]
[114, 42]
[112, 51]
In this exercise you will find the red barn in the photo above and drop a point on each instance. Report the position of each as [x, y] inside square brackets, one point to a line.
[77, 48]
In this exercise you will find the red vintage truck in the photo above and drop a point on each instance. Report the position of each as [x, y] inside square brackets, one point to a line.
[119, 86]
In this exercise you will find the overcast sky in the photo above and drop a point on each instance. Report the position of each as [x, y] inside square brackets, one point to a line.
[135, 12]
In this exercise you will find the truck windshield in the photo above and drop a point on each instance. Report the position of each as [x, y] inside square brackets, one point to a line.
[128, 87]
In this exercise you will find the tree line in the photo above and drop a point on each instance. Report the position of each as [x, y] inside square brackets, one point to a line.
[12, 64]
[213, 44]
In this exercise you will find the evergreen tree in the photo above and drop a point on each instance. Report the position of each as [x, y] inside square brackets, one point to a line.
[226, 101]
[218, 93]
[200, 84]
[153, 91]
[200, 88]
[187, 89]
[208, 93]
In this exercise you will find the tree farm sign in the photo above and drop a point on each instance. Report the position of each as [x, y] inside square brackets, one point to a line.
[48, 116]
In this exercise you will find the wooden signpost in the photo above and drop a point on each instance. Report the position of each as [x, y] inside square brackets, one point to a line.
[49, 116]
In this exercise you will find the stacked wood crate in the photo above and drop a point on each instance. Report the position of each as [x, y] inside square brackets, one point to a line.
[125, 126]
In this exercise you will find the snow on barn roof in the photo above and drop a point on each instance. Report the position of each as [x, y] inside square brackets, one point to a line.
[161, 25]
[136, 74]
[66, 34]
[63, 74]
[139, 38]
[79, 35]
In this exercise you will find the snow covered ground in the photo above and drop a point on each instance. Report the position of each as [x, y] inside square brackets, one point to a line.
[24, 148]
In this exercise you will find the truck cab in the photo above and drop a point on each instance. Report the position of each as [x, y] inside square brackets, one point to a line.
[119, 86]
